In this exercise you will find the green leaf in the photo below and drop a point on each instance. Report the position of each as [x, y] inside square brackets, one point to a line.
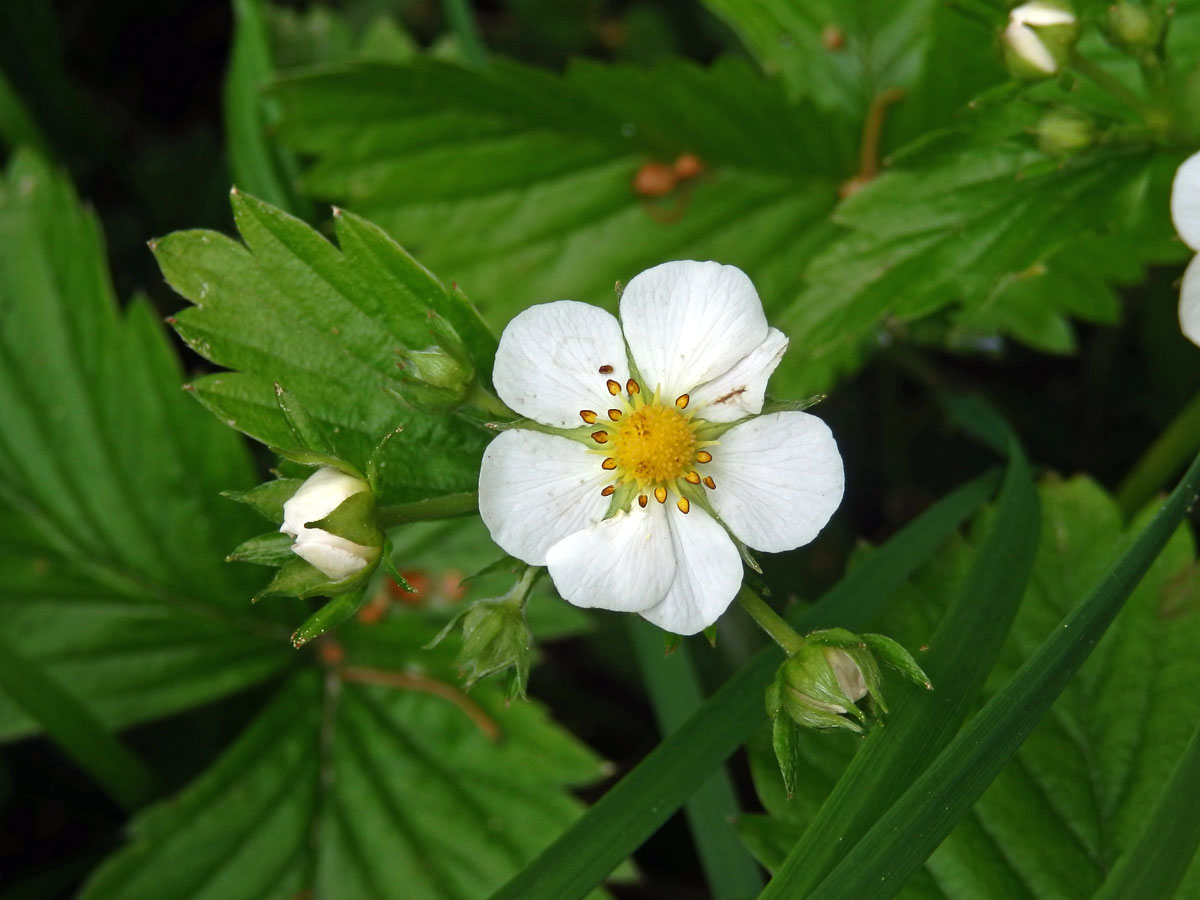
[112, 533]
[269, 549]
[292, 309]
[345, 788]
[17, 125]
[1125, 784]
[636, 806]
[267, 499]
[328, 617]
[962, 651]
[518, 184]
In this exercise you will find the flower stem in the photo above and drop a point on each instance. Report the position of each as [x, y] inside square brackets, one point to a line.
[769, 621]
[1167, 455]
[463, 504]
[485, 400]
[1104, 80]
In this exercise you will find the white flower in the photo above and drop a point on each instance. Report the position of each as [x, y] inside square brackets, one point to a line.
[622, 503]
[1185, 213]
[320, 495]
[1024, 43]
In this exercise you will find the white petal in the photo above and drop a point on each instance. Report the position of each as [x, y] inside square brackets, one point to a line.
[708, 573]
[549, 358]
[687, 322]
[779, 478]
[1189, 302]
[1041, 14]
[321, 494]
[535, 489]
[336, 557]
[1025, 43]
[739, 392]
[1185, 201]
[624, 563]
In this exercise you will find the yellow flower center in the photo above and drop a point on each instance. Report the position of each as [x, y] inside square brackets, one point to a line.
[653, 445]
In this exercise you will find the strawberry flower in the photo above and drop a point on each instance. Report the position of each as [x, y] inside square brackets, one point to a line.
[645, 457]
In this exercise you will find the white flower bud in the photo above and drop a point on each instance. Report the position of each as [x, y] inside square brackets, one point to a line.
[1038, 38]
[320, 495]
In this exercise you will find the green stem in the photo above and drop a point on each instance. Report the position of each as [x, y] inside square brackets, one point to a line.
[462, 21]
[1168, 454]
[769, 621]
[481, 398]
[463, 504]
[1102, 79]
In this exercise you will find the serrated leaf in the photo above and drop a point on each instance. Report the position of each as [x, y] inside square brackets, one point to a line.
[290, 308]
[112, 533]
[344, 788]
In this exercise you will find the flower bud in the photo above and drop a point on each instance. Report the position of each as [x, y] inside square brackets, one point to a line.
[1039, 38]
[820, 687]
[1064, 131]
[1133, 26]
[495, 638]
[435, 378]
[331, 519]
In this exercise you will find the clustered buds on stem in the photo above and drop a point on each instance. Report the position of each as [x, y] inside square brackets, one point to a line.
[832, 682]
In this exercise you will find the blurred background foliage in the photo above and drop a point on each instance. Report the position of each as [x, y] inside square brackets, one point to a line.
[533, 158]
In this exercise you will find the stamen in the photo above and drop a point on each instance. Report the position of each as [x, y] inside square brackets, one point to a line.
[683, 505]
[704, 456]
[692, 478]
[600, 437]
[606, 370]
[632, 387]
[709, 483]
[682, 401]
[608, 491]
[609, 464]
[660, 494]
[642, 500]
[614, 414]
[588, 416]
[614, 387]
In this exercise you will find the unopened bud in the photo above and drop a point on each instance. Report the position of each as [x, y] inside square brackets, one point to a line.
[1064, 131]
[1039, 38]
[435, 378]
[331, 519]
[1134, 26]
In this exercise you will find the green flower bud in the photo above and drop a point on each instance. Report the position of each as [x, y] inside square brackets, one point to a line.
[436, 379]
[820, 687]
[1064, 131]
[496, 638]
[1133, 26]
[1039, 38]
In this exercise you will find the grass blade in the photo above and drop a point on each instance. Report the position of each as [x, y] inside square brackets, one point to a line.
[729, 869]
[75, 728]
[963, 650]
[644, 799]
[902, 839]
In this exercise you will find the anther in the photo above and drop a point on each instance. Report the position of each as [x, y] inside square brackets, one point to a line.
[703, 456]
[608, 491]
[643, 500]
[588, 416]
[682, 401]
[614, 414]
[692, 478]
[632, 387]
[614, 387]
[709, 483]
[600, 437]
[683, 505]
[609, 464]
[606, 370]
[660, 494]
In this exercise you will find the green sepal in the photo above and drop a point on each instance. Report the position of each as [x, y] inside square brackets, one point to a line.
[295, 578]
[373, 461]
[671, 642]
[774, 406]
[313, 458]
[329, 616]
[354, 520]
[267, 499]
[271, 549]
[785, 739]
[306, 429]
[495, 638]
[504, 562]
[710, 633]
[390, 568]
[894, 656]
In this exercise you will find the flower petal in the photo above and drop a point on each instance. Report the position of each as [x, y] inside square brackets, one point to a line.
[624, 563]
[549, 359]
[336, 557]
[535, 489]
[1189, 302]
[708, 573]
[1026, 44]
[687, 322]
[779, 478]
[1041, 14]
[739, 392]
[1185, 201]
